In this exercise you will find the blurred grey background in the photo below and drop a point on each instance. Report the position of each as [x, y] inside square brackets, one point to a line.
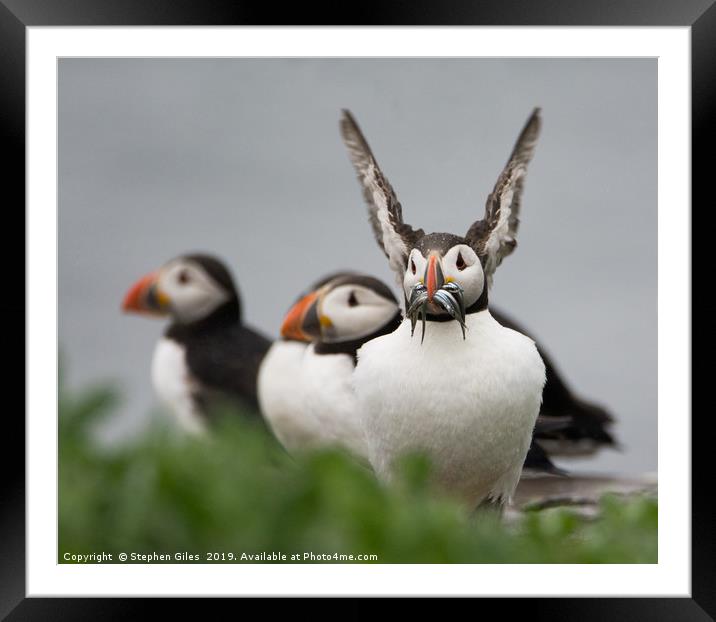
[242, 158]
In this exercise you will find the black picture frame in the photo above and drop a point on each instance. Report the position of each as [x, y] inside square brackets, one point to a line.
[17, 15]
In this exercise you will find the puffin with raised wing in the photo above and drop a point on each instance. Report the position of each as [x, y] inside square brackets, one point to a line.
[569, 425]
[466, 391]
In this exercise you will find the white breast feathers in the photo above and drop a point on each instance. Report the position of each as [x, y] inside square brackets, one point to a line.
[328, 394]
[174, 385]
[279, 392]
[469, 405]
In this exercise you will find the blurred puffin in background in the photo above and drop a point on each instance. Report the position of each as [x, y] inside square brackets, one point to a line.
[207, 357]
[332, 320]
[279, 386]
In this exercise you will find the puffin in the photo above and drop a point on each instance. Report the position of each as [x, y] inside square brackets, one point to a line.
[279, 384]
[333, 320]
[207, 357]
[339, 316]
[466, 391]
[569, 425]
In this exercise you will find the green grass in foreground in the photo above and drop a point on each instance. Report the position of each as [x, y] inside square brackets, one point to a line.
[238, 492]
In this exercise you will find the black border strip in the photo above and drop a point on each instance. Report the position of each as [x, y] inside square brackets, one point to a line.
[703, 104]
[12, 309]
[366, 12]
[16, 15]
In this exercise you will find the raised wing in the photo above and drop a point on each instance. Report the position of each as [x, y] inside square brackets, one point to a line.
[494, 237]
[385, 212]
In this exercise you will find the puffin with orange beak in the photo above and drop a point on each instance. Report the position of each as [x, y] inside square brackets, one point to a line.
[468, 399]
[305, 388]
[207, 358]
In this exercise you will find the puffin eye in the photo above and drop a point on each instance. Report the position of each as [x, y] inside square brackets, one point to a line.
[460, 262]
[413, 269]
[183, 277]
[352, 300]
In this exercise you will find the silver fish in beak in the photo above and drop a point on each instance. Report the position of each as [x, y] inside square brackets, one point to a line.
[449, 297]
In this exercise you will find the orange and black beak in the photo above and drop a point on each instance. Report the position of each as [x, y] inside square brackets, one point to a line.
[434, 278]
[301, 322]
[146, 297]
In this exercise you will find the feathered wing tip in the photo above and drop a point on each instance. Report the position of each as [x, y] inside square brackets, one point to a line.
[537, 462]
[393, 235]
[494, 237]
[584, 432]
